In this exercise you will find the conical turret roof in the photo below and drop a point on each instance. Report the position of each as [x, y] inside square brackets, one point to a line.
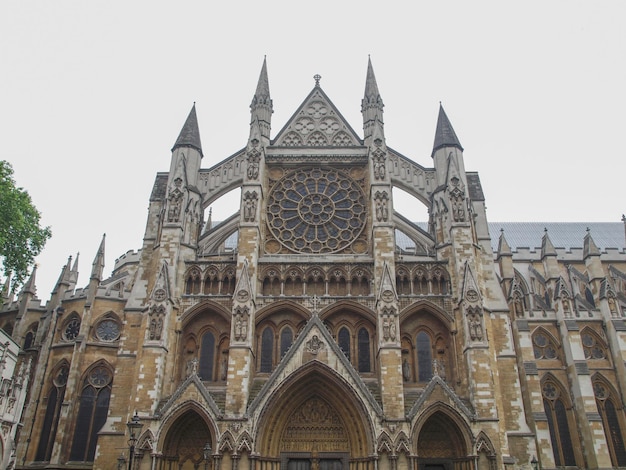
[190, 133]
[444, 134]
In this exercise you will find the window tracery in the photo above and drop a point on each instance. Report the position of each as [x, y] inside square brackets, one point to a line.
[612, 414]
[56, 395]
[554, 404]
[544, 347]
[316, 210]
[92, 412]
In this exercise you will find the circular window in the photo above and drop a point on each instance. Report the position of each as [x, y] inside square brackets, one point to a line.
[72, 329]
[108, 330]
[316, 210]
[99, 377]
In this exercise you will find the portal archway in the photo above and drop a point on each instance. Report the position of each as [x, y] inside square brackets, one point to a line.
[314, 421]
[184, 441]
[443, 445]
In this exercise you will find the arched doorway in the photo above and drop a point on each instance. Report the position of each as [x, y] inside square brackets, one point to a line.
[184, 442]
[314, 422]
[441, 445]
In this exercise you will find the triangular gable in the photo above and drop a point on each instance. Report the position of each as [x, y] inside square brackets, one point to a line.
[242, 289]
[317, 123]
[161, 290]
[314, 338]
[471, 292]
[189, 390]
[453, 399]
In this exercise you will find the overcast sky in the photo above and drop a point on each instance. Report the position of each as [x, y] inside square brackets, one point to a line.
[94, 93]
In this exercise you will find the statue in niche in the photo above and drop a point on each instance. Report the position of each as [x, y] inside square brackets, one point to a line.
[379, 165]
[382, 212]
[392, 330]
[475, 326]
[458, 209]
[386, 329]
[253, 160]
[249, 206]
[152, 329]
[224, 368]
[406, 370]
[176, 200]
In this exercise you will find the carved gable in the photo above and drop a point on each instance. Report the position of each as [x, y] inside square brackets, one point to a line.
[317, 123]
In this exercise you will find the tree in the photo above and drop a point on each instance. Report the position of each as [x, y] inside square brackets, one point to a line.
[21, 237]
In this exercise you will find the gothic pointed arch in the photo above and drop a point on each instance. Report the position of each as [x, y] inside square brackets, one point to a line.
[55, 392]
[545, 344]
[557, 406]
[611, 411]
[314, 402]
[486, 452]
[441, 433]
[93, 408]
[184, 434]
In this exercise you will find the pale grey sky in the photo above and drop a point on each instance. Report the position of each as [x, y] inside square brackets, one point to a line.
[94, 93]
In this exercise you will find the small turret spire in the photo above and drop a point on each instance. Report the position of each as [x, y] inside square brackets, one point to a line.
[261, 107]
[444, 134]
[190, 133]
[372, 105]
[503, 246]
[589, 246]
[30, 287]
[547, 248]
[64, 277]
[98, 262]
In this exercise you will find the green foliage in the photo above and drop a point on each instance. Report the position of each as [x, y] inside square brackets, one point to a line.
[21, 237]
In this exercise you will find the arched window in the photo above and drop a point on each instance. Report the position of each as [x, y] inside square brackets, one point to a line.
[267, 349]
[228, 283]
[544, 346]
[56, 394]
[593, 346]
[28, 340]
[211, 282]
[207, 356]
[193, 282]
[611, 422]
[403, 284]
[558, 424]
[344, 341]
[286, 338]
[92, 413]
[424, 357]
[364, 351]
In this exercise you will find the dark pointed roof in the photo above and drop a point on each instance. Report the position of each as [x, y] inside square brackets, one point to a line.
[445, 135]
[589, 246]
[190, 134]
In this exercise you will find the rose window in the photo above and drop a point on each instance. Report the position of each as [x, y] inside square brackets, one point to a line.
[316, 211]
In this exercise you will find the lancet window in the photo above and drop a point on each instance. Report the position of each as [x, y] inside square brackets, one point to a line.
[555, 406]
[612, 412]
[56, 393]
[93, 408]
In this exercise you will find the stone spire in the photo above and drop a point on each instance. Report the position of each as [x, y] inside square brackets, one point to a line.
[372, 106]
[444, 134]
[261, 108]
[547, 248]
[503, 246]
[30, 287]
[64, 277]
[589, 246]
[98, 262]
[190, 133]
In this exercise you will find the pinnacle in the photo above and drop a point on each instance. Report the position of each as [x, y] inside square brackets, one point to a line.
[190, 134]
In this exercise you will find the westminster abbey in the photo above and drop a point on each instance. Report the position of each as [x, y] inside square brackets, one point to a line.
[318, 328]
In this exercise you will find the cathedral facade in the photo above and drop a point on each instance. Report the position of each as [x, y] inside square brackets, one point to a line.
[319, 329]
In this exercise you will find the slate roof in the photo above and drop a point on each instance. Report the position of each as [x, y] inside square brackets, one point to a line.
[564, 235]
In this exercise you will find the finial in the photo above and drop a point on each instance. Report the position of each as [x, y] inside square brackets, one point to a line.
[317, 77]
[501, 230]
[545, 230]
[588, 230]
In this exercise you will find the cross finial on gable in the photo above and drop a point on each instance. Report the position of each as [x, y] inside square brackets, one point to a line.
[317, 77]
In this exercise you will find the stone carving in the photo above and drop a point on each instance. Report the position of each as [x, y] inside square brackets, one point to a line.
[382, 211]
[389, 324]
[314, 345]
[379, 158]
[475, 325]
[457, 198]
[249, 205]
[157, 317]
[406, 370]
[241, 323]
[254, 156]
